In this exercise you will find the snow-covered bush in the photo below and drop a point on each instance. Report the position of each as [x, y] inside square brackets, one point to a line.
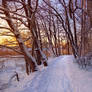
[81, 61]
[2, 65]
[85, 61]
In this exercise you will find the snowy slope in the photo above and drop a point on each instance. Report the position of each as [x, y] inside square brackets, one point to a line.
[62, 75]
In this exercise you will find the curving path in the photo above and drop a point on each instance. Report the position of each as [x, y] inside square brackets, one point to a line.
[53, 79]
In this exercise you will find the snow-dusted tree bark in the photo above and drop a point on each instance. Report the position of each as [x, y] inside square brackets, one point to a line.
[66, 24]
[32, 27]
[51, 28]
[28, 58]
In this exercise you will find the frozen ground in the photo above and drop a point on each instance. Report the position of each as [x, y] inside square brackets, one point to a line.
[62, 75]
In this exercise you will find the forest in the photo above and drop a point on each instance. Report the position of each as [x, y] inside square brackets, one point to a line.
[36, 32]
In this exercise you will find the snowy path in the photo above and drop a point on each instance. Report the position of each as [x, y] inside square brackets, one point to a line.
[53, 79]
[62, 75]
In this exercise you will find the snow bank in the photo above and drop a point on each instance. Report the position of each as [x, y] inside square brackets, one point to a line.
[81, 79]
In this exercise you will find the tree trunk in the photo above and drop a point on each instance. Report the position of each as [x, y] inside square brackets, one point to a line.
[28, 58]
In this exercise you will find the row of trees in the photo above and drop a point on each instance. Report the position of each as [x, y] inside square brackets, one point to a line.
[12, 14]
[48, 23]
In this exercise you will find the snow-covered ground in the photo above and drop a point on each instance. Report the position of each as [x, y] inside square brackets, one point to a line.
[62, 75]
